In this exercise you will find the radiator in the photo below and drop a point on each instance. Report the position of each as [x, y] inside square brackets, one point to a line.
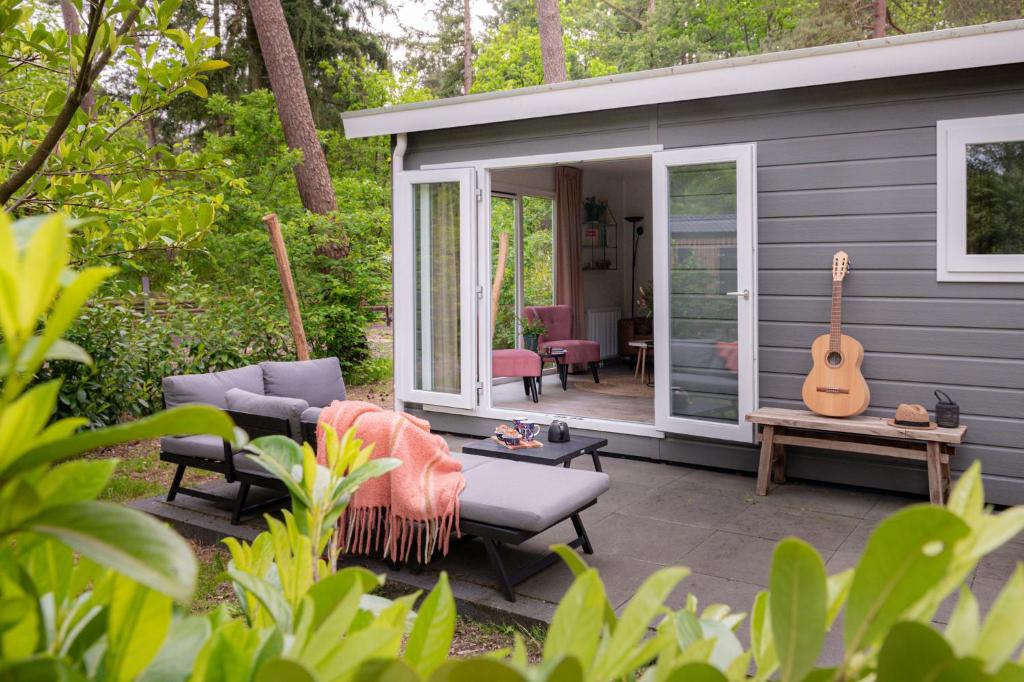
[603, 327]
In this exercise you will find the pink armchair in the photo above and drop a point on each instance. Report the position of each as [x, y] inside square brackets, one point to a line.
[557, 320]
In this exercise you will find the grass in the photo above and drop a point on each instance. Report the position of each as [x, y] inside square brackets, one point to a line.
[139, 472]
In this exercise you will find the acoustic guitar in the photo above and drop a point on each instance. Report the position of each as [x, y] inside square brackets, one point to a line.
[835, 386]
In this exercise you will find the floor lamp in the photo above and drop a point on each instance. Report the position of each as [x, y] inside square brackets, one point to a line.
[638, 231]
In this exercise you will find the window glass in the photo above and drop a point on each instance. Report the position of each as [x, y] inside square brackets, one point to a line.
[995, 198]
[538, 251]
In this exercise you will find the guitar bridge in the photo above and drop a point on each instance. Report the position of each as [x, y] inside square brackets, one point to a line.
[832, 389]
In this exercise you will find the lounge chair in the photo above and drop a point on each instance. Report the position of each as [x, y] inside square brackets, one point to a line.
[557, 321]
[508, 503]
[518, 362]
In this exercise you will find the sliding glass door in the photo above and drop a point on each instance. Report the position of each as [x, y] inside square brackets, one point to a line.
[704, 268]
[434, 315]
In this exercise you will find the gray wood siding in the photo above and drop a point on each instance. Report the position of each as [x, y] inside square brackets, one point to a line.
[847, 166]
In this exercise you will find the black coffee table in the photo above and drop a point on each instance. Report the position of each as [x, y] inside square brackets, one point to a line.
[551, 454]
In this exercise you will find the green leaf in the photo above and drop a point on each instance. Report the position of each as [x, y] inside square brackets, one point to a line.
[905, 557]
[574, 631]
[385, 670]
[431, 636]
[174, 661]
[964, 623]
[197, 88]
[136, 627]
[127, 541]
[696, 672]
[636, 618]
[838, 591]
[913, 652]
[269, 596]
[1003, 630]
[75, 481]
[762, 641]
[282, 457]
[476, 670]
[578, 567]
[186, 420]
[278, 669]
[213, 65]
[798, 606]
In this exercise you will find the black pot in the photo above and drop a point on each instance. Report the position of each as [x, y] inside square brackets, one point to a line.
[530, 341]
[947, 413]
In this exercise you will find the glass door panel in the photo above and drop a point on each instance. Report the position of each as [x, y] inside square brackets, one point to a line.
[704, 236]
[504, 221]
[538, 250]
[434, 362]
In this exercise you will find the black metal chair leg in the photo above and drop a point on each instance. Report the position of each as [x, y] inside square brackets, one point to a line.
[526, 385]
[593, 369]
[581, 533]
[533, 389]
[597, 461]
[176, 483]
[505, 582]
[563, 375]
[243, 492]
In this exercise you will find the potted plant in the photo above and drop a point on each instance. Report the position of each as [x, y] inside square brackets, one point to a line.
[644, 308]
[532, 330]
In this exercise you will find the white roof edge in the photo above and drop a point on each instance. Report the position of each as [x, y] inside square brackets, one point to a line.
[915, 53]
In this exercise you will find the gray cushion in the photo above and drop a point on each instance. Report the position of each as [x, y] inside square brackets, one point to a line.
[311, 415]
[529, 497]
[242, 462]
[268, 406]
[210, 447]
[210, 388]
[318, 382]
[471, 461]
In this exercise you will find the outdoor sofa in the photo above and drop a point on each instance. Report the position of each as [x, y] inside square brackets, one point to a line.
[504, 502]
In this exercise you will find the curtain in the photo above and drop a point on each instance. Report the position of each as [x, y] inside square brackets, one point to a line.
[569, 223]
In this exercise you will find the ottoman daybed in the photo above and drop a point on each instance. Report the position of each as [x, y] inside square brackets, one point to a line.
[503, 503]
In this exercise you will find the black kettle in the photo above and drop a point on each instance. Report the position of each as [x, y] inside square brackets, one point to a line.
[558, 432]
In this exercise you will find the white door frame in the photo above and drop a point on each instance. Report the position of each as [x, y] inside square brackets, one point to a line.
[483, 168]
[745, 158]
[405, 289]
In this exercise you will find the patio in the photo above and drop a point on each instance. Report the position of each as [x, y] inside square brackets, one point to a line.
[656, 515]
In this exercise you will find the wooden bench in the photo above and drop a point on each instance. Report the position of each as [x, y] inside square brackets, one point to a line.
[864, 435]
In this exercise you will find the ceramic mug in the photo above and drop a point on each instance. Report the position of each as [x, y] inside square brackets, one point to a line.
[517, 423]
[511, 438]
[529, 430]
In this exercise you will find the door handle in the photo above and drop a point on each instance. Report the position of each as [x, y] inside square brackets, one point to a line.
[739, 294]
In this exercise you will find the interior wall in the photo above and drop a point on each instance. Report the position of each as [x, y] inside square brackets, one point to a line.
[603, 288]
[636, 201]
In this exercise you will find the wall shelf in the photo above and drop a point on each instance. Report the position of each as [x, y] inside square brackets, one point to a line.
[600, 245]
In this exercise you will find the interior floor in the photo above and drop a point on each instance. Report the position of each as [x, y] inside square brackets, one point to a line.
[618, 396]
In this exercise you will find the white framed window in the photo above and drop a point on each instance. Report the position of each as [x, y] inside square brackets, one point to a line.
[980, 199]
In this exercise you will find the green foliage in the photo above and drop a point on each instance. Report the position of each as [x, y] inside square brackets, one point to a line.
[104, 166]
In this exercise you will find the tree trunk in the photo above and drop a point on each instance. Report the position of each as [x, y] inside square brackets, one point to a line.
[289, 89]
[74, 28]
[467, 48]
[879, 23]
[552, 49]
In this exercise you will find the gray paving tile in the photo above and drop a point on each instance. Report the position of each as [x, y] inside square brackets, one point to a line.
[692, 506]
[711, 589]
[647, 474]
[620, 495]
[733, 556]
[653, 540]
[621, 575]
[833, 500]
[840, 561]
[735, 484]
[887, 505]
[986, 590]
[858, 539]
[824, 531]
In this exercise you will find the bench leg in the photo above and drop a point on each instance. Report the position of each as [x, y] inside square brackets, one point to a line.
[779, 464]
[504, 580]
[176, 483]
[581, 533]
[764, 464]
[935, 479]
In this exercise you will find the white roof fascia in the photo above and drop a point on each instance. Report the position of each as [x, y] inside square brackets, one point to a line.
[917, 53]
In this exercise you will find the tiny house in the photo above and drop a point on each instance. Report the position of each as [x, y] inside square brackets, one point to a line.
[685, 219]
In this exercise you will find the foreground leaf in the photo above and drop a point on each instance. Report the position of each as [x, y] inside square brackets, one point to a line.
[431, 636]
[798, 606]
[125, 540]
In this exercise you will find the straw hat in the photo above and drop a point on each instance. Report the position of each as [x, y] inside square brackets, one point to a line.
[912, 417]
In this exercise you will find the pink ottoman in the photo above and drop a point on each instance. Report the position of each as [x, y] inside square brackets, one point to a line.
[518, 362]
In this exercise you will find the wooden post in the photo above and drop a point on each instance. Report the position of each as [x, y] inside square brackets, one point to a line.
[284, 271]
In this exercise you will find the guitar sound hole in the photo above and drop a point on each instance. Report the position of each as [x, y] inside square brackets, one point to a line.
[834, 358]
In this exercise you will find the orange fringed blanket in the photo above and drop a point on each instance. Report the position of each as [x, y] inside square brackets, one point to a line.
[415, 505]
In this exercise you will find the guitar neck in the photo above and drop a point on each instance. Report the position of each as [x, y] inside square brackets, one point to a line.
[835, 330]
